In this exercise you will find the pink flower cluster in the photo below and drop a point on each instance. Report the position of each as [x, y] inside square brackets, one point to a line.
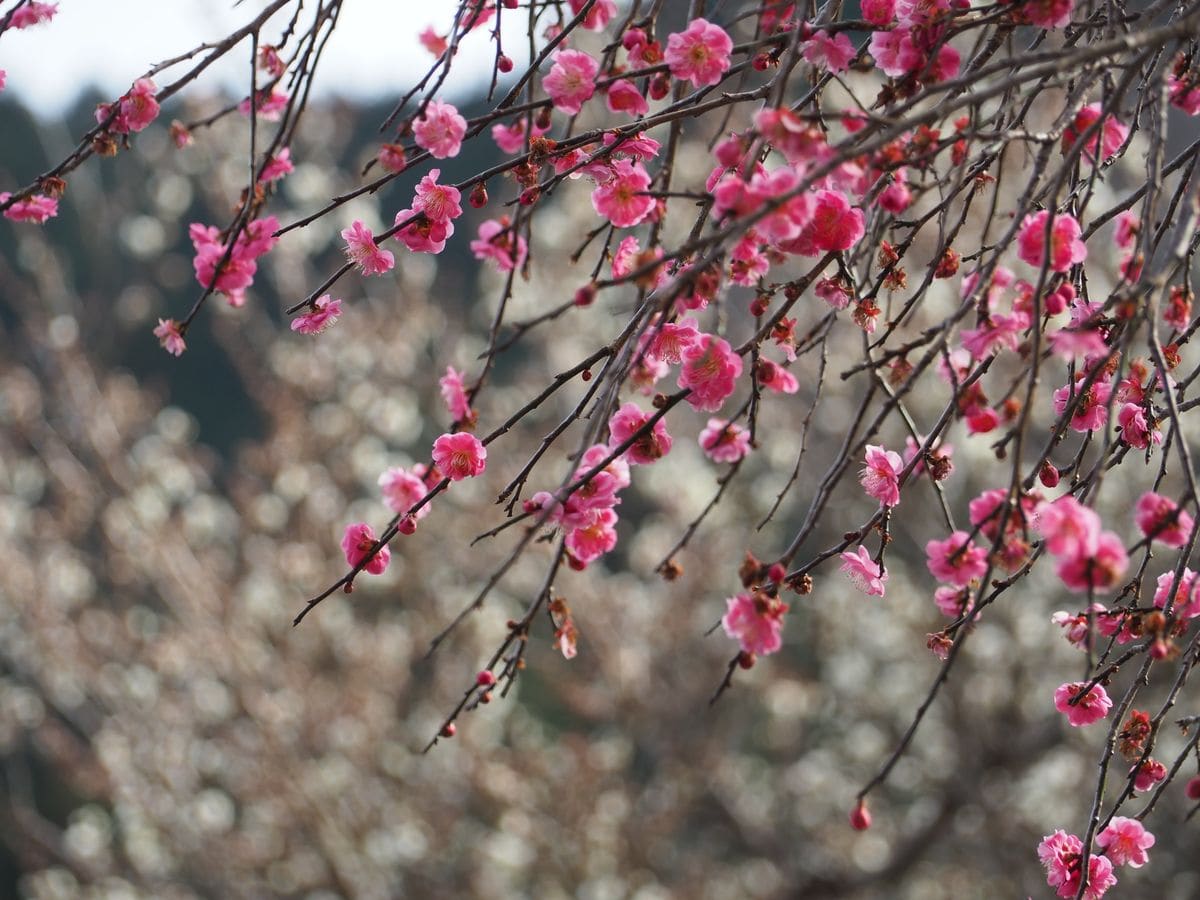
[459, 455]
[36, 208]
[237, 274]
[1061, 855]
[755, 621]
[1088, 558]
[880, 476]
[325, 312]
[431, 217]
[134, 111]
[588, 515]
[440, 130]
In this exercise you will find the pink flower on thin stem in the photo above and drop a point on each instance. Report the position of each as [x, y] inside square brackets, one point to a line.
[1066, 248]
[832, 53]
[621, 198]
[1061, 855]
[864, 573]
[1125, 841]
[598, 16]
[496, 242]
[403, 489]
[421, 234]
[460, 455]
[755, 622]
[454, 395]
[362, 250]
[439, 202]
[1099, 570]
[278, 166]
[710, 369]
[1147, 774]
[35, 208]
[652, 446]
[134, 111]
[32, 13]
[624, 97]
[835, 226]
[325, 312]
[589, 542]
[357, 543]
[440, 130]
[1186, 602]
[1069, 527]
[167, 332]
[956, 560]
[1048, 13]
[1093, 707]
[571, 80]
[699, 54]
[1110, 137]
[1159, 517]
[724, 442]
[880, 476]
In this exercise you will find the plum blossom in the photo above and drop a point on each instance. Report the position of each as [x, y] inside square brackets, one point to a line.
[134, 111]
[621, 198]
[439, 202]
[454, 395]
[833, 53]
[956, 560]
[1091, 411]
[571, 80]
[1159, 518]
[496, 242]
[1135, 431]
[1186, 601]
[362, 250]
[589, 542]
[169, 336]
[36, 208]
[1066, 249]
[277, 166]
[357, 543]
[1147, 774]
[834, 226]
[459, 455]
[1099, 570]
[880, 475]
[325, 312]
[650, 447]
[879, 12]
[403, 489]
[700, 53]
[1061, 855]
[1048, 13]
[1125, 841]
[1093, 707]
[598, 16]
[710, 369]
[33, 13]
[267, 105]
[724, 442]
[755, 621]
[238, 271]
[421, 234]
[624, 97]
[440, 130]
[864, 573]
[1109, 137]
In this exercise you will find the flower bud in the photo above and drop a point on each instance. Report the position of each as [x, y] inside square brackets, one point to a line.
[860, 816]
[485, 678]
[504, 64]
[1048, 475]
[479, 196]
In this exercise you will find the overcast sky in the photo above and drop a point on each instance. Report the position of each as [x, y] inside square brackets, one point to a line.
[108, 43]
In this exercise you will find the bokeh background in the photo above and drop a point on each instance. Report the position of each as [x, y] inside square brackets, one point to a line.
[165, 732]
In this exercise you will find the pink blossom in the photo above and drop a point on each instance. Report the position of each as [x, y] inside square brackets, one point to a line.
[588, 543]
[940, 451]
[1185, 604]
[1048, 13]
[1069, 527]
[776, 378]
[953, 602]
[1159, 518]
[357, 543]
[1129, 224]
[879, 12]
[1147, 775]
[699, 54]
[237, 274]
[362, 250]
[864, 573]
[724, 442]
[1183, 94]
[650, 447]
[459, 455]
[402, 490]
[598, 16]
[880, 475]
[391, 157]
[325, 312]
[167, 332]
[267, 105]
[134, 111]
[279, 165]
[423, 235]
[637, 145]
[834, 291]
[439, 202]
[895, 53]
[509, 138]
[1091, 412]
[454, 395]
[495, 242]
[755, 622]
[832, 53]
[32, 13]
[1066, 249]
[621, 198]
[571, 80]
[1099, 570]
[1093, 706]
[625, 256]
[1125, 841]
[1134, 429]
[711, 370]
[834, 225]
[36, 208]
[1061, 855]
[3, 77]
[956, 560]
[440, 130]
[624, 97]
[1110, 135]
